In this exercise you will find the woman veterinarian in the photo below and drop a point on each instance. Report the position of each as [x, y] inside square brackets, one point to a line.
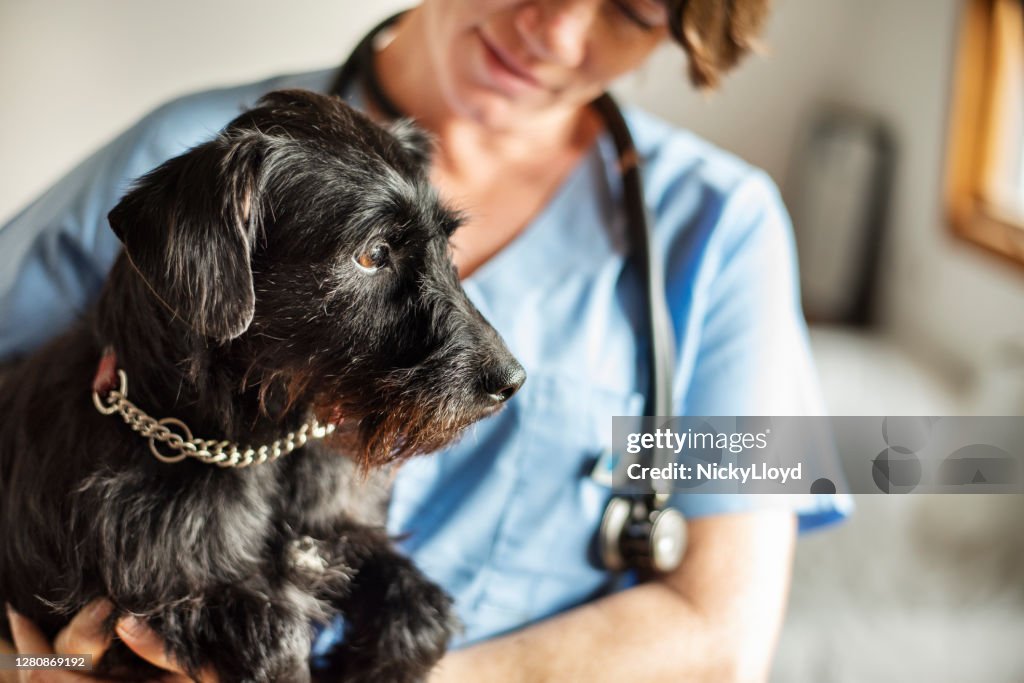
[506, 519]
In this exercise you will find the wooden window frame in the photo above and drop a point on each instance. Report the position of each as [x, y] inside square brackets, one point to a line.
[973, 140]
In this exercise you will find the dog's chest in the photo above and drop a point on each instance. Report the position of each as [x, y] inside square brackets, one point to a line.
[323, 488]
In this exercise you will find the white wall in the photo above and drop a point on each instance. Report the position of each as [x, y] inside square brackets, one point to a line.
[74, 72]
[942, 297]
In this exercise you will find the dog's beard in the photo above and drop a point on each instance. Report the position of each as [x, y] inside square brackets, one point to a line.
[392, 421]
[377, 439]
[379, 420]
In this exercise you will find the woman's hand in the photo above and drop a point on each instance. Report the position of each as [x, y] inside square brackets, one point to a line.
[84, 636]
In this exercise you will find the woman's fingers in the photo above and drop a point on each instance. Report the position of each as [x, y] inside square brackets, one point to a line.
[29, 640]
[85, 634]
[144, 642]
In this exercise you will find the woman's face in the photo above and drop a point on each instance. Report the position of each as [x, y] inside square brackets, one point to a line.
[499, 61]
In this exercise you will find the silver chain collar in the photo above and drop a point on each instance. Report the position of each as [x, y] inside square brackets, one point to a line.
[184, 445]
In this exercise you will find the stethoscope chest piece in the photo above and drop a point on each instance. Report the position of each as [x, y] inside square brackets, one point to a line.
[667, 540]
[634, 534]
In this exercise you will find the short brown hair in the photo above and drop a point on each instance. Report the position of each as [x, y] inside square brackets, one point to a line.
[716, 34]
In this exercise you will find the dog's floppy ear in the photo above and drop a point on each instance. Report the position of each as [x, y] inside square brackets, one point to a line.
[417, 144]
[188, 228]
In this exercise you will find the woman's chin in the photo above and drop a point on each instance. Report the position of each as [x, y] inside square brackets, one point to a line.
[497, 112]
[489, 109]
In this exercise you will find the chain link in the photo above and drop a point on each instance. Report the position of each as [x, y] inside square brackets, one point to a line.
[184, 445]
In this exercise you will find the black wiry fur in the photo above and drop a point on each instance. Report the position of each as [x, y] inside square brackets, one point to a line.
[238, 307]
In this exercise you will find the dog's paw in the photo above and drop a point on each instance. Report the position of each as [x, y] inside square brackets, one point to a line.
[421, 622]
[398, 630]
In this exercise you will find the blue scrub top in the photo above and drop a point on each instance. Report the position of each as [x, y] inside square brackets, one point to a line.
[505, 519]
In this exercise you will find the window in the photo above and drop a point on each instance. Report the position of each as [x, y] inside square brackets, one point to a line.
[986, 162]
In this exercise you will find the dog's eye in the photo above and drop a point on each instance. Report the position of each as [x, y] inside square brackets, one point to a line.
[374, 257]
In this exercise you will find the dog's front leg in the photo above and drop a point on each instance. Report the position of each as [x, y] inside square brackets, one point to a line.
[398, 622]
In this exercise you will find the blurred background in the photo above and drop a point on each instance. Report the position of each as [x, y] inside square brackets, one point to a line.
[881, 120]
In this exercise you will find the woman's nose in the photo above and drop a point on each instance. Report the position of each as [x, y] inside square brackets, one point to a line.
[556, 30]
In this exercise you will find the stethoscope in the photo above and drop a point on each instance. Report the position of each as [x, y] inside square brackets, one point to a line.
[637, 531]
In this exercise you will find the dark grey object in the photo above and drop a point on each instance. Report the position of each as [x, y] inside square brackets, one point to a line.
[838, 196]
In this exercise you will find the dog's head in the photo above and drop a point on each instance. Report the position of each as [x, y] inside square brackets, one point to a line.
[306, 241]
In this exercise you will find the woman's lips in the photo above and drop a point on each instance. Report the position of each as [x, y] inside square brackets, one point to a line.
[506, 73]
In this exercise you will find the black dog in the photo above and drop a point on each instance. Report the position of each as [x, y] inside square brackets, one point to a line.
[294, 269]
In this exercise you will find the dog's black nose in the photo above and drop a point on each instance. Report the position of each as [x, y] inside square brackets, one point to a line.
[501, 384]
